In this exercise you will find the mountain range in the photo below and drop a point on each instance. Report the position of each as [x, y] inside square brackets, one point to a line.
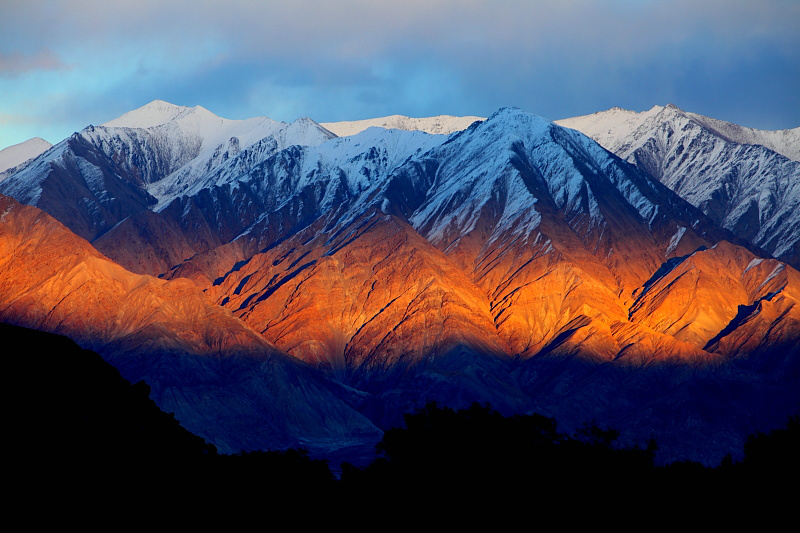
[306, 284]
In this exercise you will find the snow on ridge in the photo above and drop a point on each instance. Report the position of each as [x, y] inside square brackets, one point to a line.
[368, 157]
[438, 125]
[608, 127]
[785, 142]
[613, 127]
[169, 119]
[26, 184]
[197, 143]
[476, 176]
[363, 159]
[16, 154]
[150, 115]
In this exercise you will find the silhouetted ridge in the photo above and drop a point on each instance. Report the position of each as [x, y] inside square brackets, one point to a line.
[81, 433]
[446, 450]
[78, 408]
[482, 463]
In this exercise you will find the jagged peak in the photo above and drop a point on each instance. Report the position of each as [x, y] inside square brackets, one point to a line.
[506, 110]
[514, 116]
[507, 123]
[305, 120]
[514, 113]
[672, 109]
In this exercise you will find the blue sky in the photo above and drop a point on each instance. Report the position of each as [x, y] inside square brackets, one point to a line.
[67, 64]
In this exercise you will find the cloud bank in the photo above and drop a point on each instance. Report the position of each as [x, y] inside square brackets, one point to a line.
[68, 64]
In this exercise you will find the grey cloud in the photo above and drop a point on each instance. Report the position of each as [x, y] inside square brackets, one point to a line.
[17, 63]
[356, 58]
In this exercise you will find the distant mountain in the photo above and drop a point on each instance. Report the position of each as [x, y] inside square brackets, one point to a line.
[610, 129]
[141, 161]
[14, 156]
[746, 180]
[439, 125]
[349, 280]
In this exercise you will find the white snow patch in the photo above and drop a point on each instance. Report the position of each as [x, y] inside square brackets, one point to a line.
[93, 177]
[775, 271]
[438, 125]
[675, 240]
[755, 262]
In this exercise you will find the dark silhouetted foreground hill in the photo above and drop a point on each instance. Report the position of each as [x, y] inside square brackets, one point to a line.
[76, 432]
[80, 434]
[71, 406]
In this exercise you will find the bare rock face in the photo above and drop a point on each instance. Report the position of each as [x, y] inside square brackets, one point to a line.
[371, 297]
[723, 293]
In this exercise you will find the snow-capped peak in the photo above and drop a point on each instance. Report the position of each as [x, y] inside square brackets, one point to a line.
[438, 125]
[154, 114]
[784, 142]
[17, 154]
[610, 126]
